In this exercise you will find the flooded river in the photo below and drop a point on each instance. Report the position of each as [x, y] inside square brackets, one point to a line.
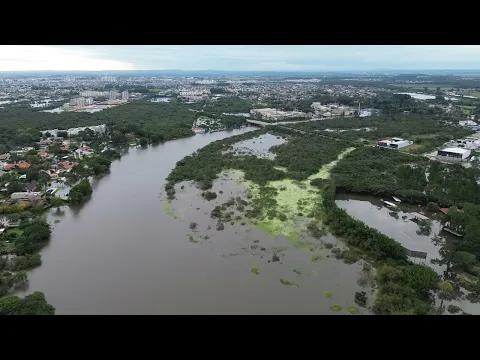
[121, 253]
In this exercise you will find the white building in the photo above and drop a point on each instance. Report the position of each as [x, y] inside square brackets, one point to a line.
[112, 95]
[78, 101]
[29, 196]
[90, 93]
[394, 143]
[125, 95]
[453, 154]
[89, 101]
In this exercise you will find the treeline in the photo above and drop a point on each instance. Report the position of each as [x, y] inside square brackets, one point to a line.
[27, 240]
[33, 304]
[385, 172]
[80, 192]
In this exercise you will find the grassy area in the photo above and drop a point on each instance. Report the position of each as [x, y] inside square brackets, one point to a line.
[14, 231]
[467, 110]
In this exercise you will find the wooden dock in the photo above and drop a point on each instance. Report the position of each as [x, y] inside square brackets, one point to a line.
[452, 232]
[419, 217]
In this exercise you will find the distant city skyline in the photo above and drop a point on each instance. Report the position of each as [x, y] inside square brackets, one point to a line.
[238, 57]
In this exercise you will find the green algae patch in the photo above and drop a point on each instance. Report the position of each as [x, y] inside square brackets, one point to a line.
[254, 269]
[353, 310]
[288, 283]
[314, 273]
[336, 308]
[292, 202]
[327, 294]
[167, 210]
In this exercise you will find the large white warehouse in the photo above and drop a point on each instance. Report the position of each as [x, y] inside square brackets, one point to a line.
[453, 154]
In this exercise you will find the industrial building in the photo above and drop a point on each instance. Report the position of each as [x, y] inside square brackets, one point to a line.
[453, 154]
[394, 143]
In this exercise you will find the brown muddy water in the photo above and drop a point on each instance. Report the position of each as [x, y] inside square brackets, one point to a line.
[122, 253]
[397, 225]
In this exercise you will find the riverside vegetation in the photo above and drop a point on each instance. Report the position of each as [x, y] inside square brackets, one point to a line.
[322, 166]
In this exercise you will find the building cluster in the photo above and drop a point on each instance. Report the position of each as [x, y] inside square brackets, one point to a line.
[81, 101]
[31, 192]
[274, 114]
[459, 150]
[97, 129]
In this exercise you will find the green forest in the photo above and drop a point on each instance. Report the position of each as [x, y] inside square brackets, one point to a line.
[426, 132]
[154, 121]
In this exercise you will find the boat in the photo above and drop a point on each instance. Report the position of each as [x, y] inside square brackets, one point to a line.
[389, 204]
[396, 199]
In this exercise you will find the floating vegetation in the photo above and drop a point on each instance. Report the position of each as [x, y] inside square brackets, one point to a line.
[353, 310]
[336, 308]
[56, 221]
[314, 273]
[327, 294]
[254, 269]
[288, 283]
[193, 225]
[296, 271]
[192, 240]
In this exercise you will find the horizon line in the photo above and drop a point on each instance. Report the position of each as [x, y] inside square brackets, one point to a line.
[270, 71]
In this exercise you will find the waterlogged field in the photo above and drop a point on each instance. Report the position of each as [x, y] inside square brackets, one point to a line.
[272, 228]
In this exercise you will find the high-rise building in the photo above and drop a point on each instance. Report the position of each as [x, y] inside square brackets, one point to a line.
[78, 102]
[112, 95]
[89, 101]
[125, 95]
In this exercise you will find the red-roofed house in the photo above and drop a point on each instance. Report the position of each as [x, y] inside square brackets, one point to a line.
[44, 154]
[445, 210]
[85, 148]
[23, 165]
[9, 167]
[64, 148]
[67, 164]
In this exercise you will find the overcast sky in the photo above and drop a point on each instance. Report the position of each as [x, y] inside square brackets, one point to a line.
[238, 57]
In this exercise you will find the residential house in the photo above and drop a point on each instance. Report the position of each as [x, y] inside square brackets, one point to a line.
[44, 154]
[10, 167]
[67, 165]
[4, 157]
[23, 165]
[52, 173]
[30, 196]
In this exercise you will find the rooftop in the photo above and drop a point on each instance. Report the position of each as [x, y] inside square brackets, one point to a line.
[456, 150]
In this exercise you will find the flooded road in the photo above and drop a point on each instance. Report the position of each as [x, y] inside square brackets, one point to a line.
[121, 253]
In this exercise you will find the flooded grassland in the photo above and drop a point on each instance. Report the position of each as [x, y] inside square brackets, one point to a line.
[269, 230]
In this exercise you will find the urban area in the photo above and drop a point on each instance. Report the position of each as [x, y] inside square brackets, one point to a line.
[372, 172]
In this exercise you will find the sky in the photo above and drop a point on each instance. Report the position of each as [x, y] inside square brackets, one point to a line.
[238, 57]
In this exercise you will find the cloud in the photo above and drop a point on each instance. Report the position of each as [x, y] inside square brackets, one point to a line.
[238, 57]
